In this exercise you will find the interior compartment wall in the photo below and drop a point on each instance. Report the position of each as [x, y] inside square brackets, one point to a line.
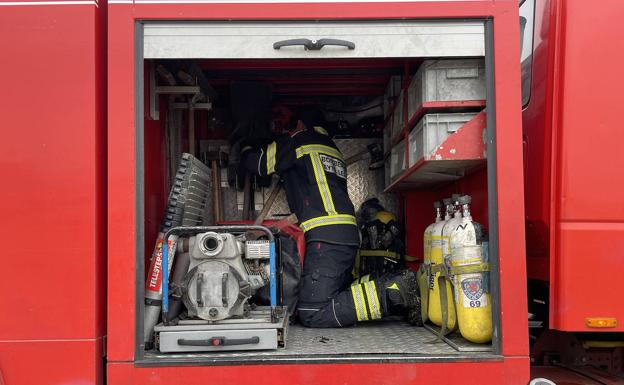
[419, 212]
[155, 169]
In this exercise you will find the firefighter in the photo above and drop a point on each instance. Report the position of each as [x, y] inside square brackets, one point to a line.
[315, 179]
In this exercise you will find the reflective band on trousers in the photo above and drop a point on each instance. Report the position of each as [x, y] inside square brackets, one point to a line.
[337, 219]
[358, 302]
[318, 148]
[271, 160]
[373, 300]
[366, 301]
[323, 186]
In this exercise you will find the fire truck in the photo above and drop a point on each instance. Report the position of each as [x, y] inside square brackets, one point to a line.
[88, 183]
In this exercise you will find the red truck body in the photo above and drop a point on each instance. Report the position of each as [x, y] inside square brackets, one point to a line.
[574, 222]
[69, 164]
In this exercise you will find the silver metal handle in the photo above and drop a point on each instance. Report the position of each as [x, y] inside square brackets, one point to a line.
[314, 45]
[220, 341]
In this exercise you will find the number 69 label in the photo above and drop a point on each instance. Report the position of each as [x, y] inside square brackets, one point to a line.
[472, 291]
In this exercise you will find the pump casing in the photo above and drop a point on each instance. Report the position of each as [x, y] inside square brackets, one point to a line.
[224, 272]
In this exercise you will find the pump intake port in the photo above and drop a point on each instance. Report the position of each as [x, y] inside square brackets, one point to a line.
[211, 243]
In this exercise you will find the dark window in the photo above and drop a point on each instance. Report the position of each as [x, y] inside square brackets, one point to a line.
[527, 13]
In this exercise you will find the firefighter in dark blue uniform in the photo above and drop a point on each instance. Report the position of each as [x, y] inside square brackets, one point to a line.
[315, 179]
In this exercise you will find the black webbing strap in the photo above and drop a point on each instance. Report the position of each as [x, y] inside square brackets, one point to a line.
[422, 277]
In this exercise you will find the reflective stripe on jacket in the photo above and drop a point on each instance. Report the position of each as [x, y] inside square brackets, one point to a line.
[315, 180]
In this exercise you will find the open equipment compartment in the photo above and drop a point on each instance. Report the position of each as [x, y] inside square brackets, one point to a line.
[320, 78]
[127, 361]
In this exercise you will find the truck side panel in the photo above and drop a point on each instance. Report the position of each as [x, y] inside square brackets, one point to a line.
[53, 196]
[586, 273]
[512, 371]
[537, 136]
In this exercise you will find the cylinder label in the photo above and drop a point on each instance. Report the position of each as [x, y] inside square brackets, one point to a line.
[472, 289]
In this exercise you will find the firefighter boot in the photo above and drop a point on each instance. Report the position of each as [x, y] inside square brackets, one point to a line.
[401, 295]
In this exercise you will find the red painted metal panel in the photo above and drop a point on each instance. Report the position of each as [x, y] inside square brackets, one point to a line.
[537, 132]
[589, 275]
[419, 212]
[464, 144]
[122, 189]
[509, 186]
[121, 184]
[511, 371]
[54, 362]
[53, 199]
[589, 209]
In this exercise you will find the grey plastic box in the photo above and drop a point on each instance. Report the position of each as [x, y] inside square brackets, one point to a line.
[392, 91]
[387, 134]
[397, 159]
[397, 117]
[447, 80]
[432, 130]
[387, 171]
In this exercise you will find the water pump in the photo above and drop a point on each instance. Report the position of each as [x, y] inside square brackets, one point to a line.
[225, 271]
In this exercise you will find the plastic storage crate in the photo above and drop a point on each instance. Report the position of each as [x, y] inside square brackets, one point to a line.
[392, 91]
[397, 117]
[387, 135]
[432, 130]
[387, 171]
[397, 159]
[447, 80]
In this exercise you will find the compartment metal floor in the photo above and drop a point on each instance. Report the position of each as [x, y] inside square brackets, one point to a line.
[379, 340]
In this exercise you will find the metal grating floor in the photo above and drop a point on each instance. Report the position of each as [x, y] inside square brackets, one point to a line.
[385, 340]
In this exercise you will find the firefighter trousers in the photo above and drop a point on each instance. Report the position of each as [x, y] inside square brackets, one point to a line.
[327, 297]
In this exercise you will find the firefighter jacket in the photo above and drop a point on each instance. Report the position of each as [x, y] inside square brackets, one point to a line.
[315, 180]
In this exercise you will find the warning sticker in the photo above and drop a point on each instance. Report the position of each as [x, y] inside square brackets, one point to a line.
[334, 166]
[153, 283]
[472, 289]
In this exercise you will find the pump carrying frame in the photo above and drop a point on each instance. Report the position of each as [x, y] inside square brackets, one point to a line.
[191, 230]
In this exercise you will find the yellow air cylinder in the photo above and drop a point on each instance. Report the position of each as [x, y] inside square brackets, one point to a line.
[472, 301]
[428, 232]
[438, 243]
[427, 251]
